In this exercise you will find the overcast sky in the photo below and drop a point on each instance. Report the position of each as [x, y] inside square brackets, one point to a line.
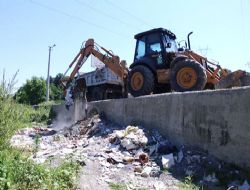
[221, 30]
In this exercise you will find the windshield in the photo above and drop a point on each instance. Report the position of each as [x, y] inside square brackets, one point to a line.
[173, 46]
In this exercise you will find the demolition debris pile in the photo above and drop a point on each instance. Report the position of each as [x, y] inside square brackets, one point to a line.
[130, 156]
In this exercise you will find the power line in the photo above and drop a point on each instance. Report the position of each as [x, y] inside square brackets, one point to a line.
[105, 14]
[76, 18]
[128, 13]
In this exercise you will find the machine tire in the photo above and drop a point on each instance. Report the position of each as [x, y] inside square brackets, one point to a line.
[141, 81]
[188, 75]
[97, 93]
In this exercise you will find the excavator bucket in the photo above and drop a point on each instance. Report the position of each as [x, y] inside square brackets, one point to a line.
[63, 81]
[235, 79]
[80, 86]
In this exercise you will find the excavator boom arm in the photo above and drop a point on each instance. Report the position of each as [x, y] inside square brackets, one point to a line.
[111, 61]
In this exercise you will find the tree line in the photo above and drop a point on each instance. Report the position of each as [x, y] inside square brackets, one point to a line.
[33, 91]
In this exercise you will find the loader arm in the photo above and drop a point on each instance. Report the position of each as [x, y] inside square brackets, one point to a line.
[109, 59]
[219, 77]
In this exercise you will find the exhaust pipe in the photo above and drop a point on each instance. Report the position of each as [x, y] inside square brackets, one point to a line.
[189, 47]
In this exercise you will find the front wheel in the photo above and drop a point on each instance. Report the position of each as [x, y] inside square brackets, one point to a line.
[188, 75]
[141, 81]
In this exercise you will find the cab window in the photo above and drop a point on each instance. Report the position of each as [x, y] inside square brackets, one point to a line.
[171, 46]
[141, 48]
[154, 43]
[155, 48]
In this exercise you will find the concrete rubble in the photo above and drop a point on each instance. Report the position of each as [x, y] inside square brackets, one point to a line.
[167, 161]
[128, 156]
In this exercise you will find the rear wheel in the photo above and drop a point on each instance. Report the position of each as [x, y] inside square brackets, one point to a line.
[188, 75]
[141, 81]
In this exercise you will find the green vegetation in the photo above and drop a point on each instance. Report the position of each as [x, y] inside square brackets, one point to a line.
[14, 116]
[55, 92]
[188, 184]
[116, 186]
[33, 92]
[16, 170]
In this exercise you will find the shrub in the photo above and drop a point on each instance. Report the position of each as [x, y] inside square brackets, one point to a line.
[32, 92]
[17, 172]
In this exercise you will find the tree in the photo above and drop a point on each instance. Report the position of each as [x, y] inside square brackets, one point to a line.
[57, 79]
[33, 92]
[56, 92]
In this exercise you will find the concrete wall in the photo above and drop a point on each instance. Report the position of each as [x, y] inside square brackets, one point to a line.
[216, 121]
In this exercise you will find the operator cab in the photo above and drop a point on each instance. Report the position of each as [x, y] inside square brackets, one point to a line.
[155, 48]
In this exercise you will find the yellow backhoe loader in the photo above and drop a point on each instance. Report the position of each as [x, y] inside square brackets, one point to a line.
[160, 66]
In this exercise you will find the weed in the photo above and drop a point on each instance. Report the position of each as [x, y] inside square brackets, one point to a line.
[188, 184]
[56, 138]
[116, 186]
[7, 87]
[17, 172]
[165, 170]
[36, 143]
[14, 116]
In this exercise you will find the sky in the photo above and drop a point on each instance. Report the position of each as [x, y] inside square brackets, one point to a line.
[28, 27]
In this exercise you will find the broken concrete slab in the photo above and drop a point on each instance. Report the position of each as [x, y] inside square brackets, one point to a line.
[167, 161]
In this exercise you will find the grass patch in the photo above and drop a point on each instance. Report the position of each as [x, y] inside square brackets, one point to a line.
[17, 172]
[117, 186]
[165, 170]
[188, 184]
[14, 116]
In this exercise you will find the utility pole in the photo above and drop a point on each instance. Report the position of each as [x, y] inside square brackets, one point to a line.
[48, 78]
